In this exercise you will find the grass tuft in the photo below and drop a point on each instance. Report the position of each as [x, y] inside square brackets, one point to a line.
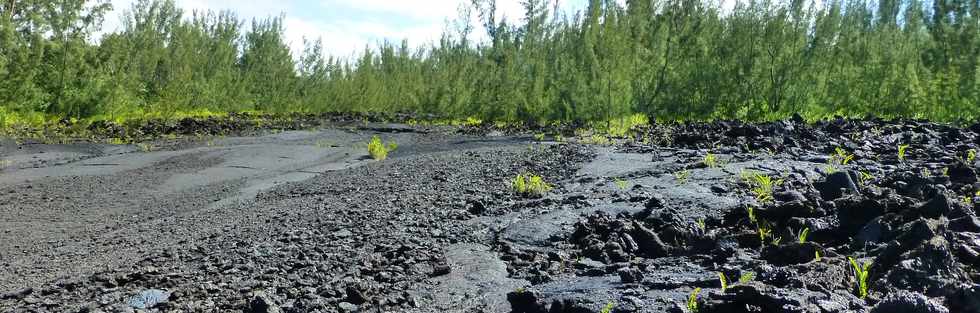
[711, 160]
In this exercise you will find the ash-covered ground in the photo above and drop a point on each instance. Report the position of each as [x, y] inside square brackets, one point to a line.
[303, 221]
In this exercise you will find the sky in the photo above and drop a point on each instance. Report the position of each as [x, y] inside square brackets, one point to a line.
[346, 26]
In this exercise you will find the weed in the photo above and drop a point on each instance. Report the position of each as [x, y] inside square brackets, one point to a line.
[861, 274]
[608, 308]
[865, 178]
[702, 225]
[682, 176]
[816, 256]
[765, 232]
[803, 234]
[945, 172]
[620, 127]
[598, 140]
[472, 121]
[539, 137]
[622, 184]
[711, 160]
[901, 151]
[777, 240]
[528, 184]
[971, 156]
[144, 147]
[762, 186]
[746, 277]
[559, 138]
[723, 280]
[925, 172]
[839, 159]
[116, 141]
[692, 301]
[752, 217]
[378, 150]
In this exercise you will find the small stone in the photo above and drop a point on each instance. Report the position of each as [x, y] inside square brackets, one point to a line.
[149, 298]
[262, 303]
[441, 269]
[347, 307]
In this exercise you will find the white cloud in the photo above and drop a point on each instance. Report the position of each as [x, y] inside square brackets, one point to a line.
[346, 26]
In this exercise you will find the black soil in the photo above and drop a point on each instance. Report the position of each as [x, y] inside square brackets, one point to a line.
[635, 227]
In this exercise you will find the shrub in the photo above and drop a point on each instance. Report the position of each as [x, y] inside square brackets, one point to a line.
[378, 150]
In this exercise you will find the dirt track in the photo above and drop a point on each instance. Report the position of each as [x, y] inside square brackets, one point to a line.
[304, 222]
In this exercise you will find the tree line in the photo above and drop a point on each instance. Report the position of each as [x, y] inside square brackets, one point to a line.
[668, 59]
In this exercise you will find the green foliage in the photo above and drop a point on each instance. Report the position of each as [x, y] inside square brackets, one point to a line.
[610, 66]
[711, 160]
[379, 150]
[622, 184]
[901, 151]
[838, 160]
[692, 301]
[723, 281]
[746, 277]
[144, 147]
[608, 308]
[682, 176]
[801, 238]
[865, 178]
[765, 232]
[861, 275]
[762, 185]
[971, 156]
[598, 139]
[530, 185]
